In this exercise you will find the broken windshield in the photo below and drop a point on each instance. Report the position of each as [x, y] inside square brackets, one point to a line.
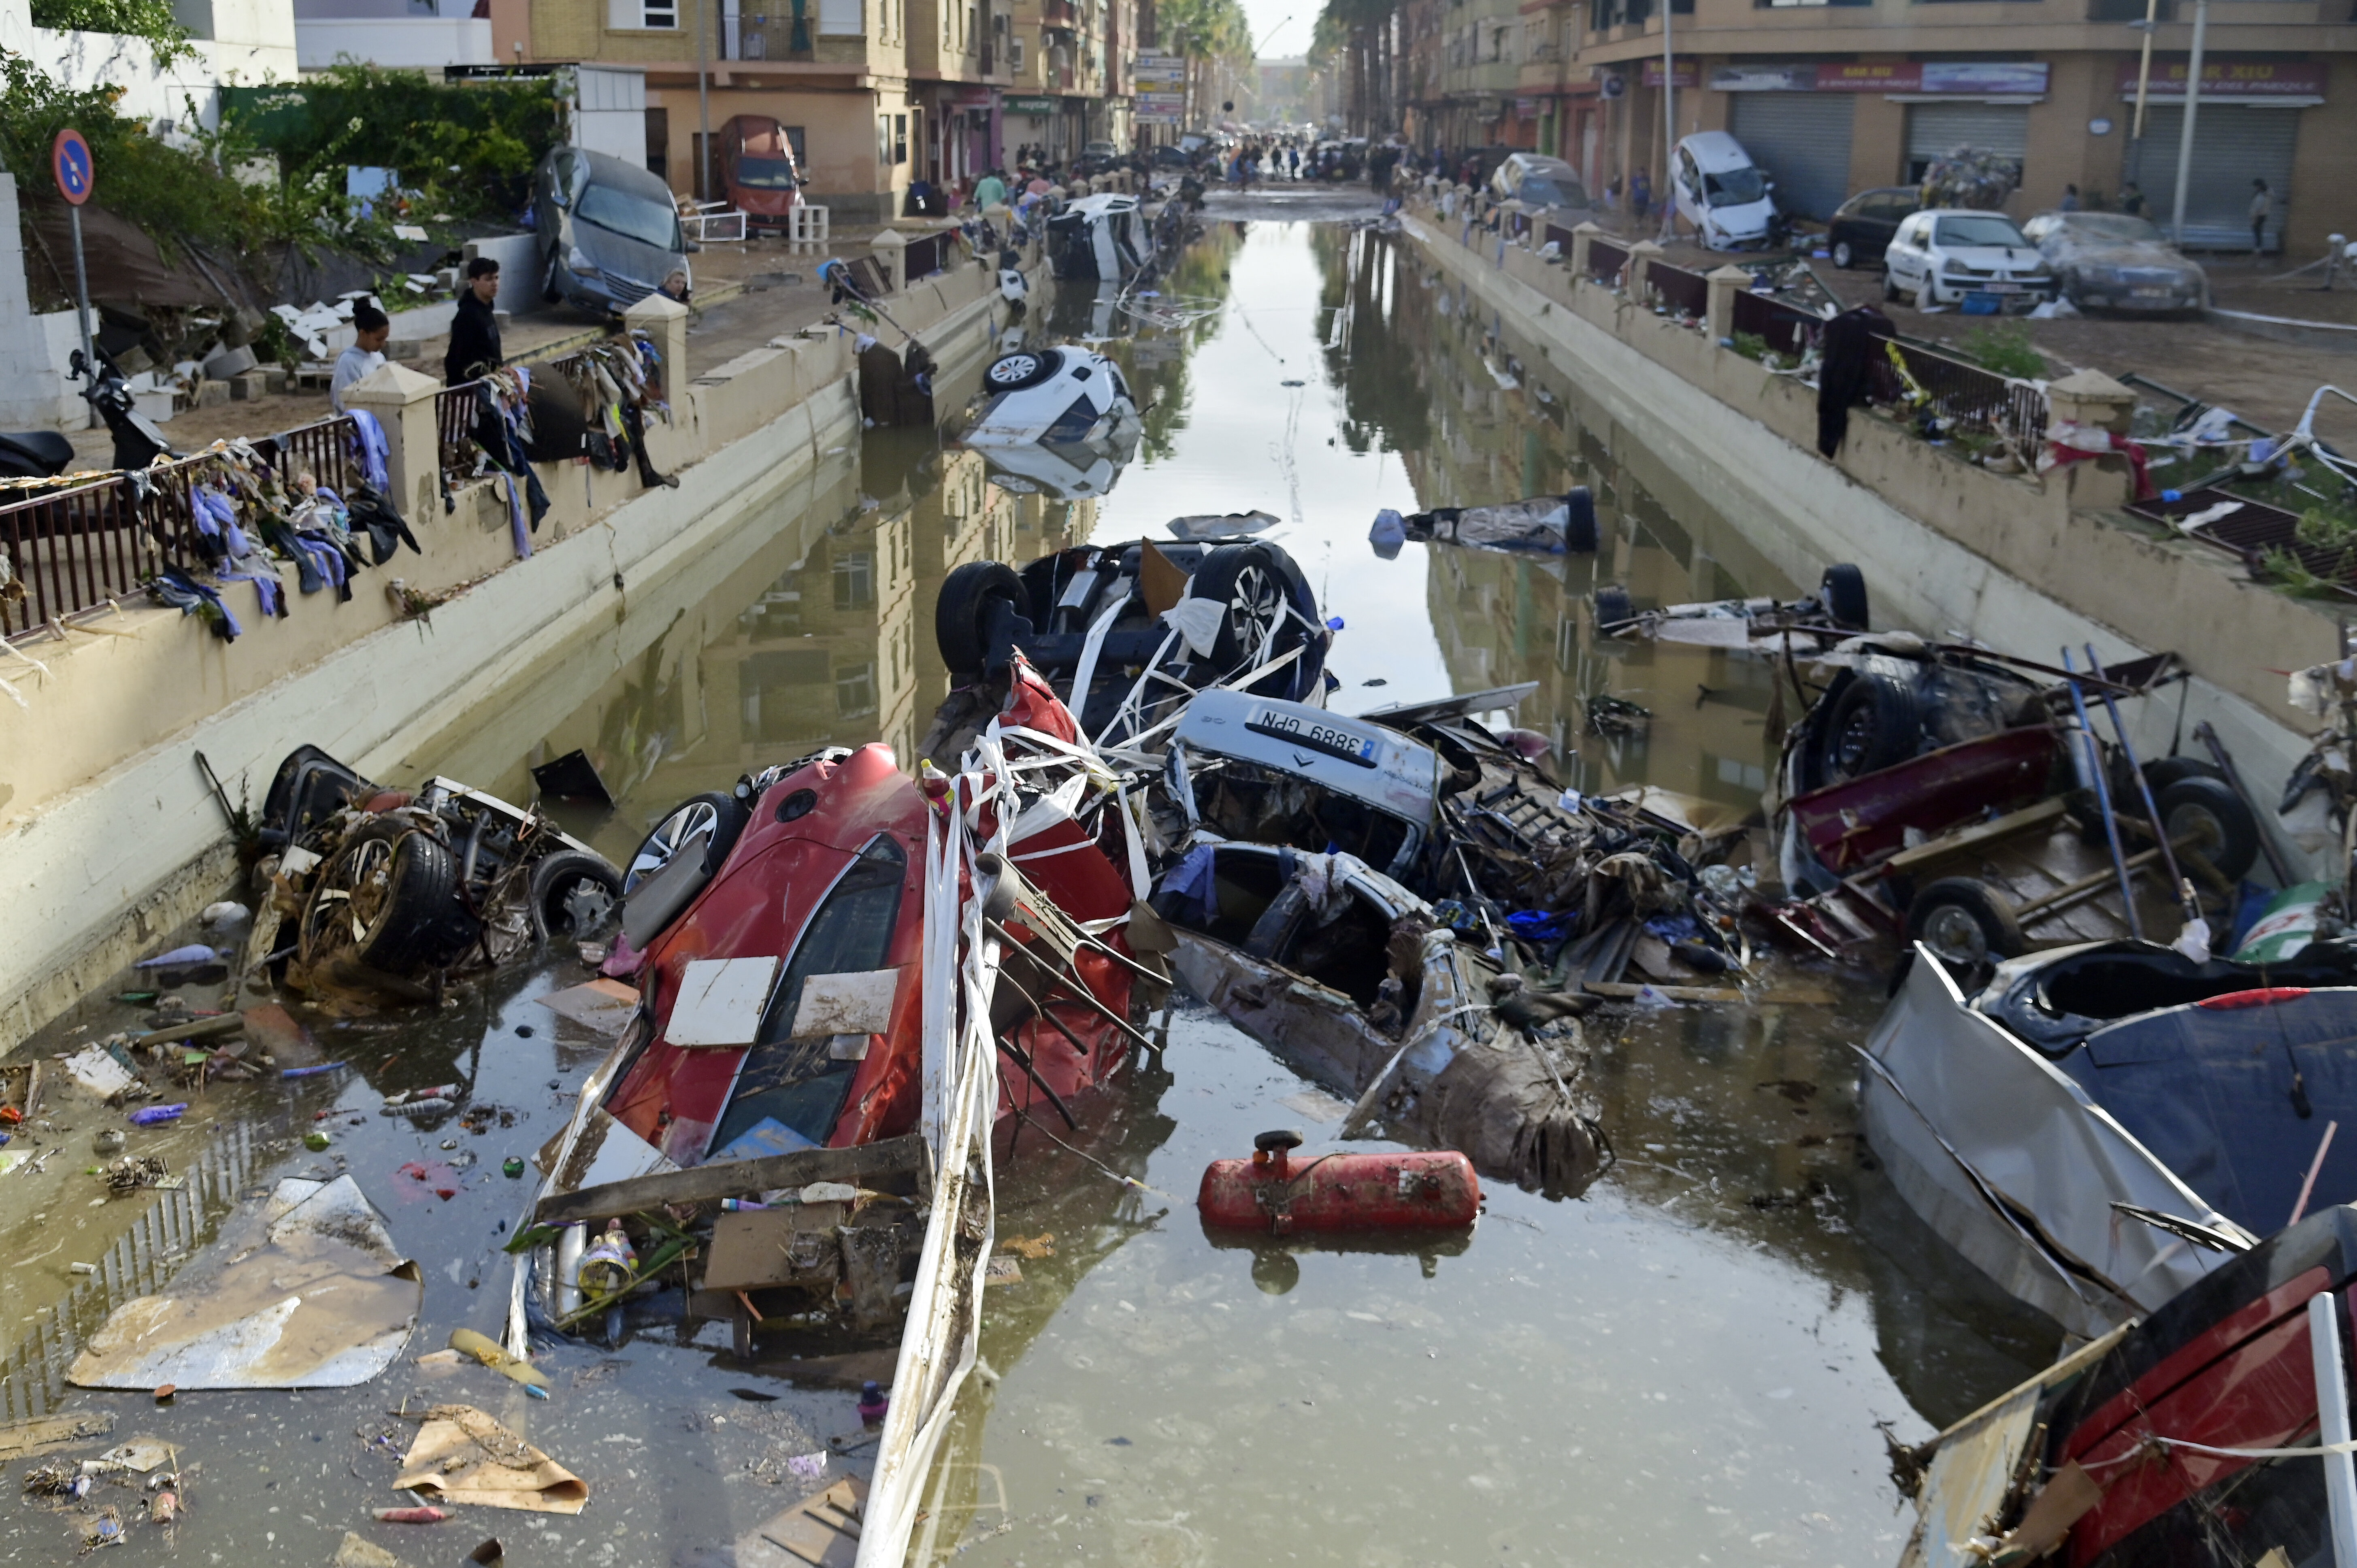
[1734, 187]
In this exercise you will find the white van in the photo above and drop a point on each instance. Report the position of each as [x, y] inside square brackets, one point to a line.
[1722, 192]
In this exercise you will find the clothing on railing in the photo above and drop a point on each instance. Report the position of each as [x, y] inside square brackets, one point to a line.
[503, 429]
[1852, 342]
[177, 588]
[368, 440]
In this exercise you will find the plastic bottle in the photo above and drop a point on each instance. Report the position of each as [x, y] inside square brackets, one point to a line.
[872, 1402]
[149, 1115]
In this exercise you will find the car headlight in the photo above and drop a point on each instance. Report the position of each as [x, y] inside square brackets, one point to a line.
[579, 264]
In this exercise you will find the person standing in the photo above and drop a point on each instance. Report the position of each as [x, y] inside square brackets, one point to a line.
[474, 329]
[2070, 198]
[370, 329]
[989, 191]
[2263, 207]
[1640, 194]
[2132, 199]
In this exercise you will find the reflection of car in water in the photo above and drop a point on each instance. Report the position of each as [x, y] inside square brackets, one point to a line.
[609, 231]
[1060, 473]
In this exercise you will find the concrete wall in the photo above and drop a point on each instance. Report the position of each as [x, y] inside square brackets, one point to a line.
[110, 835]
[2023, 565]
[239, 41]
[34, 350]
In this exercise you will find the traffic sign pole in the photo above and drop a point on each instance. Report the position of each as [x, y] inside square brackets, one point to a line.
[70, 164]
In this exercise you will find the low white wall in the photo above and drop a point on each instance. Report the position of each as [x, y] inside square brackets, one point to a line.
[415, 43]
[35, 351]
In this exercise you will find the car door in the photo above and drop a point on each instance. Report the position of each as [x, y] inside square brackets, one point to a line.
[1905, 257]
[1878, 219]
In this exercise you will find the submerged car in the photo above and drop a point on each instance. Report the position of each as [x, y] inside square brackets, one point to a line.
[1131, 631]
[610, 230]
[2114, 261]
[1101, 236]
[2163, 1445]
[1065, 397]
[2099, 1127]
[1945, 254]
[1722, 192]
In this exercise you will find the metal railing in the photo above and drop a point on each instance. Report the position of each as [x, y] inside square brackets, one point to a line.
[455, 409]
[76, 548]
[1786, 329]
[1961, 393]
[1606, 260]
[1685, 293]
[924, 257]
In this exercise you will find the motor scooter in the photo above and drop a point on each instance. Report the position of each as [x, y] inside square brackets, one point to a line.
[44, 454]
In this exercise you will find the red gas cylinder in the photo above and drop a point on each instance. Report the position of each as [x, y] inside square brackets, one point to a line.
[1432, 1190]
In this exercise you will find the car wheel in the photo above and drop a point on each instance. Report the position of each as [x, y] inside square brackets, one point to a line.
[1844, 257]
[389, 898]
[1926, 295]
[2208, 811]
[1874, 721]
[962, 616]
[2163, 771]
[573, 895]
[1964, 923]
[1257, 623]
[1842, 592]
[1579, 520]
[1025, 367]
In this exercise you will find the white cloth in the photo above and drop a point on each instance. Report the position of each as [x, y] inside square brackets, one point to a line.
[351, 366]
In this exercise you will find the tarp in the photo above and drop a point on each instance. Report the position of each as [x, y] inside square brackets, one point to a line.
[126, 268]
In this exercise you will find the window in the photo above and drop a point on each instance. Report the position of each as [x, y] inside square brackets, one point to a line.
[855, 581]
[855, 690]
[840, 19]
[1014, 55]
[900, 139]
[626, 15]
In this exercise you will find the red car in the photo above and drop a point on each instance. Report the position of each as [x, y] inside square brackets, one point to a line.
[759, 172]
[776, 936]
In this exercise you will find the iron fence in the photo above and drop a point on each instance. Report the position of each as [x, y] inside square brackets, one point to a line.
[1959, 393]
[1685, 293]
[1606, 260]
[454, 428]
[924, 257]
[1786, 329]
[77, 547]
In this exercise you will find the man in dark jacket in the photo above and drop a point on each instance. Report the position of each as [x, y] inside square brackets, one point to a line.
[474, 330]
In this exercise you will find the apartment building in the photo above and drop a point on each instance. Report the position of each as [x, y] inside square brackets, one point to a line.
[1071, 82]
[1833, 97]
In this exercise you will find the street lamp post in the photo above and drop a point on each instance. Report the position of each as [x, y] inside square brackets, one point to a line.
[2185, 132]
[1669, 126]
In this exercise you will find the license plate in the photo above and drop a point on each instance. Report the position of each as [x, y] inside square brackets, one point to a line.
[2000, 288]
[1314, 735]
[2151, 294]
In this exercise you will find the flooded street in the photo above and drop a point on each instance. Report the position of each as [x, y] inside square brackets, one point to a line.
[1687, 1363]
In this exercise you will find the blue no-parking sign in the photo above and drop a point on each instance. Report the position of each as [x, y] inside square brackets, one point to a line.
[70, 161]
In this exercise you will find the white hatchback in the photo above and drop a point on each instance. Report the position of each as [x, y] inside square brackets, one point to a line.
[1940, 256]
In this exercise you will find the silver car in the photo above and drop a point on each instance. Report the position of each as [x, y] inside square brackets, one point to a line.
[609, 231]
[2110, 261]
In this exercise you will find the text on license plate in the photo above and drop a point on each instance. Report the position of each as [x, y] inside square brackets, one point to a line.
[2000, 288]
[1314, 735]
[2152, 294]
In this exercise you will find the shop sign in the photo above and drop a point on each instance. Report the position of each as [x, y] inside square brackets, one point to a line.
[1160, 108]
[1157, 69]
[1978, 79]
[2231, 79]
[1526, 108]
[1032, 106]
[1684, 75]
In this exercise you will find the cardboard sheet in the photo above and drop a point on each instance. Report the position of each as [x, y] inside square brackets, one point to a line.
[462, 1456]
[855, 1003]
[720, 1002]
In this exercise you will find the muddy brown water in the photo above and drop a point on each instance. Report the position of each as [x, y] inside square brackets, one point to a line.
[1685, 1364]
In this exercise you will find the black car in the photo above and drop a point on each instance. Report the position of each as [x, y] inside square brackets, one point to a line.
[1865, 223]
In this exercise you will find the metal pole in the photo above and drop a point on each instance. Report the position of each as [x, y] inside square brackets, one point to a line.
[2094, 754]
[2144, 81]
[2332, 1417]
[2185, 134]
[704, 99]
[1669, 127]
[81, 316]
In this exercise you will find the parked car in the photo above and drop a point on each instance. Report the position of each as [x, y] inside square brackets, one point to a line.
[609, 231]
[2111, 261]
[1861, 227]
[1538, 181]
[759, 171]
[1722, 192]
[1940, 256]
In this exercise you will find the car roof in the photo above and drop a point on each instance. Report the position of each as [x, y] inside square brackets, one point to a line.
[615, 174]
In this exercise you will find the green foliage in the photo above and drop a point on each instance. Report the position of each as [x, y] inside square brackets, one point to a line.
[149, 19]
[1204, 29]
[166, 190]
[1751, 346]
[2007, 349]
[2285, 568]
[2326, 529]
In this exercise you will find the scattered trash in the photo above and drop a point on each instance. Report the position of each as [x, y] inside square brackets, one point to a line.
[97, 1070]
[1416, 1190]
[47, 1434]
[467, 1342]
[463, 1456]
[423, 1515]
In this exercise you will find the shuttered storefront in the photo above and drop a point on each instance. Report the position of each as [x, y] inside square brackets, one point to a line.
[2234, 144]
[1801, 139]
[1935, 130]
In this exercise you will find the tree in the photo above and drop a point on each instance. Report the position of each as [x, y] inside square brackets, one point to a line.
[1202, 31]
[1361, 37]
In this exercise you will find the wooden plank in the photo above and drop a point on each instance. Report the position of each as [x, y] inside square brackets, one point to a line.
[1972, 838]
[47, 1434]
[872, 1165]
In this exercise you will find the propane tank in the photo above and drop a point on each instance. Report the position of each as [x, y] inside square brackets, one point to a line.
[1273, 1192]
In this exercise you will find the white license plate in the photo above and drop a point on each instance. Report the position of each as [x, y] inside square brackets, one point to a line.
[2000, 288]
[1332, 739]
[2151, 293]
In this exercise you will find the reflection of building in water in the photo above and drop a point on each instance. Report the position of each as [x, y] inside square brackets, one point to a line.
[1479, 417]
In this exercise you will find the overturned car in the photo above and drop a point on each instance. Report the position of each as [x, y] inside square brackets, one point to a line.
[1064, 397]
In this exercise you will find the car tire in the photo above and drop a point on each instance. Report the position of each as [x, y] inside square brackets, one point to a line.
[1024, 368]
[1579, 520]
[962, 616]
[1873, 723]
[390, 897]
[2227, 834]
[1844, 257]
[1925, 295]
[1964, 923]
[574, 895]
[715, 818]
[1613, 608]
[1259, 623]
[1842, 592]
[2163, 771]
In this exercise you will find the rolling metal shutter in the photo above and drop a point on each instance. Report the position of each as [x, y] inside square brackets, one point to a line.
[1935, 130]
[2234, 144]
[1802, 140]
